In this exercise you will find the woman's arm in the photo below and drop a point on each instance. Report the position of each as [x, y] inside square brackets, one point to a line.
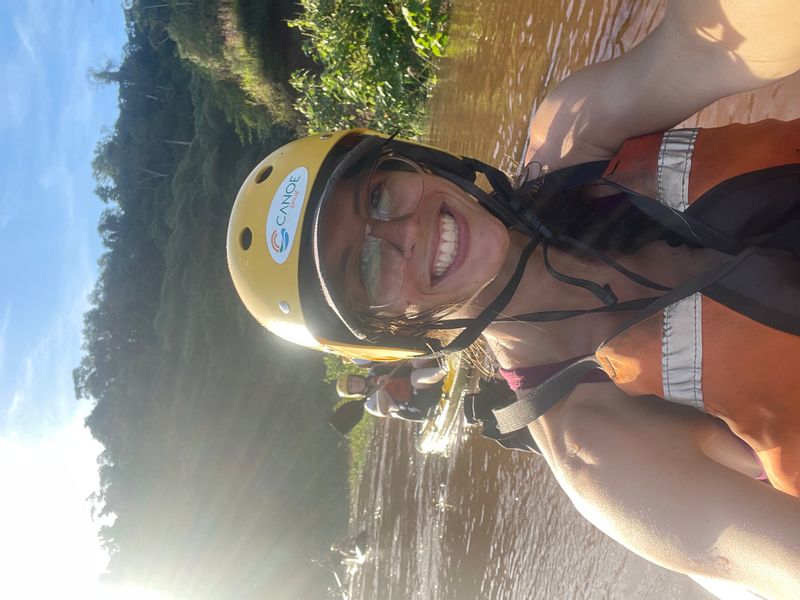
[640, 469]
[700, 52]
[427, 377]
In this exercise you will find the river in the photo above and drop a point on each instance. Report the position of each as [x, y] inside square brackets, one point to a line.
[485, 522]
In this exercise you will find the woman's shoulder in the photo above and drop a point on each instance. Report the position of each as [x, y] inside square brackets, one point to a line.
[597, 424]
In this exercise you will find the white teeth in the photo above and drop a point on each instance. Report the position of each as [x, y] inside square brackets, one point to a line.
[448, 245]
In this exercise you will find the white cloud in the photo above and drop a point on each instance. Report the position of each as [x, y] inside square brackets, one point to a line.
[21, 73]
[17, 400]
[15, 95]
[24, 36]
[23, 390]
[43, 391]
[49, 541]
[6, 319]
[58, 179]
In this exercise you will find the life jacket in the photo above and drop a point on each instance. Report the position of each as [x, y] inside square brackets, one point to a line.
[399, 388]
[728, 341]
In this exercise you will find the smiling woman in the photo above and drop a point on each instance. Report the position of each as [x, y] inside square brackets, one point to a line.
[656, 264]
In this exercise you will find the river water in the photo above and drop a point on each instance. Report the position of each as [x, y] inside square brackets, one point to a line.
[485, 522]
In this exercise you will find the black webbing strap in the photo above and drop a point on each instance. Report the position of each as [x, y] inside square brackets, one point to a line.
[633, 276]
[682, 223]
[477, 325]
[700, 282]
[604, 293]
[533, 403]
[547, 316]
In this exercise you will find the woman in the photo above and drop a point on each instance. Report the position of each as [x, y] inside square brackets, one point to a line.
[391, 234]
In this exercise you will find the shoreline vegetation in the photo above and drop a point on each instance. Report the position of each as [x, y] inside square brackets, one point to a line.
[219, 464]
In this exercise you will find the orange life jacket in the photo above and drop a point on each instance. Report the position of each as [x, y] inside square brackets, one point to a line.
[399, 388]
[727, 342]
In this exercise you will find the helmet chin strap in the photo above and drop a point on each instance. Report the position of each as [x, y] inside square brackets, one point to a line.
[475, 327]
[508, 205]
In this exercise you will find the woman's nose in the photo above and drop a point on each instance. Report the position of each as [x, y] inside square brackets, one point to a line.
[403, 234]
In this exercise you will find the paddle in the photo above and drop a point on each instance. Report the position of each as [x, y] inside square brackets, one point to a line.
[347, 416]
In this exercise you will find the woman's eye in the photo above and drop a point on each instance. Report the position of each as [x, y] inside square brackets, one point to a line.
[380, 201]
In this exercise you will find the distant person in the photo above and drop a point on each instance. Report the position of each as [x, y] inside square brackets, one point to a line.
[391, 394]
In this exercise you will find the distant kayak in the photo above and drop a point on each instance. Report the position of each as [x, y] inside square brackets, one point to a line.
[438, 432]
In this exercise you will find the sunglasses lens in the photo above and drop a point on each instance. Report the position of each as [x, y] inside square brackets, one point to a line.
[395, 189]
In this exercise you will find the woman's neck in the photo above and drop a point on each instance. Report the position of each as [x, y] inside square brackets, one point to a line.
[519, 342]
[525, 343]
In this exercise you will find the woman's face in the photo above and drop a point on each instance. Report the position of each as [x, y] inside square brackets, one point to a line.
[356, 384]
[452, 246]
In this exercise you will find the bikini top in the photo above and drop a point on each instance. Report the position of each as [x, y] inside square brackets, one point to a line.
[523, 378]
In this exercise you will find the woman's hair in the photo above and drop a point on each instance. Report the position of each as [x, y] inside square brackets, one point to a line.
[606, 222]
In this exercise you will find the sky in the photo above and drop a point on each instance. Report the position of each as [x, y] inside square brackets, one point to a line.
[51, 117]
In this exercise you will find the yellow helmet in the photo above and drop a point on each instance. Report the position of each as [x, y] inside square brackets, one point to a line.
[271, 245]
[343, 386]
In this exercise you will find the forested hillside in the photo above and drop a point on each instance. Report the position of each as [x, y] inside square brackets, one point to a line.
[218, 460]
[219, 464]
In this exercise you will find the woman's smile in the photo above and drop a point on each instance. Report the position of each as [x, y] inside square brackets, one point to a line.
[447, 246]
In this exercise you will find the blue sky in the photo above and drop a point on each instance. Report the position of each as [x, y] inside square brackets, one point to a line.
[51, 118]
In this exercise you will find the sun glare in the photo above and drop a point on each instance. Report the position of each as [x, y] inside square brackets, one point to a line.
[49, 546]
[130, 593]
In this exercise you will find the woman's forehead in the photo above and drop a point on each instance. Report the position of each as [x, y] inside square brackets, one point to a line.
[344, 194]
[337, 216]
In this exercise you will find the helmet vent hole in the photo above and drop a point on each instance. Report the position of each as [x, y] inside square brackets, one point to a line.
[246, 238]
[261, 177]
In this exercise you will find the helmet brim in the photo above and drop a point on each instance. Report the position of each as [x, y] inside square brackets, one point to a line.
[369, 145]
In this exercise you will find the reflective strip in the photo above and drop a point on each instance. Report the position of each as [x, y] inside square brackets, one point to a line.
[682, 351]
[674, 166]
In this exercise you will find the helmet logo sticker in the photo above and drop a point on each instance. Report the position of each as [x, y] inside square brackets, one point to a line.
[284, 213]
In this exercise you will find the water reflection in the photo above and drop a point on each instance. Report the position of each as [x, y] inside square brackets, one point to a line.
[488, 523]
[507, 55]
